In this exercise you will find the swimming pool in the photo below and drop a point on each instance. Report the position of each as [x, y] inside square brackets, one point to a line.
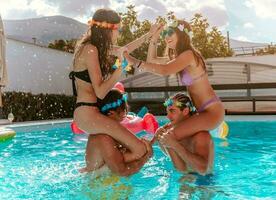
[42, 162]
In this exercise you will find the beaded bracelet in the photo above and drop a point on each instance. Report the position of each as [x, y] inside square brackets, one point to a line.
[139, 64]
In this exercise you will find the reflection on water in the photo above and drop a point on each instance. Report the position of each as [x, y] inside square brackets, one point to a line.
[44, 161]
[105, 187]
[195, 186]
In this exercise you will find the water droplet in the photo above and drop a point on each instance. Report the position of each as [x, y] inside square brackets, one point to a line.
[53, 154]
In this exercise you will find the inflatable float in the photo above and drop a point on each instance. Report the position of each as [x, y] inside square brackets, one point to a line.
[221, 131]
[136, 124]
[6, 134]
[133, 123]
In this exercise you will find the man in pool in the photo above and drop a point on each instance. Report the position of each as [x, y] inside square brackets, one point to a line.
[192, 154]
[103, 150]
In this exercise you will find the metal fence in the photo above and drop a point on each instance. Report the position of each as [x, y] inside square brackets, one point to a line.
[252, 50]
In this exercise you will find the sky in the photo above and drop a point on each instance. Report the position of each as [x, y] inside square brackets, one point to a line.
[246, 20]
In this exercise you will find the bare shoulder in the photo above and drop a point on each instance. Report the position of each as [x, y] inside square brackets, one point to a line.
[89, 49]
[187, 56]
[203, 137]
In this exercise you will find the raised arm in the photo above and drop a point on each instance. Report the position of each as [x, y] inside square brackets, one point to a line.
[118, 51]
[199, 159]
[115, 160]
[138, 42]
[129, 156]
[177, 160]
[100, 86]
[152, 51]
[182, 61]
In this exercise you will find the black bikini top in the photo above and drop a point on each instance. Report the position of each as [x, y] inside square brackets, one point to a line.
[82, 75]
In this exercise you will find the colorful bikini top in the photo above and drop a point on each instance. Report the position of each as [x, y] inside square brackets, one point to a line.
[186, 78]
[82, 75]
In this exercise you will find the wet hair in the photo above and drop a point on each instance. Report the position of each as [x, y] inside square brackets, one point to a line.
[112, 96]
[101, 38]
[185, 102]
[184, 43]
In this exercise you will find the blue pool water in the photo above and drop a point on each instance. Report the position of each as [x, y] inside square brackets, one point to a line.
[42, 162]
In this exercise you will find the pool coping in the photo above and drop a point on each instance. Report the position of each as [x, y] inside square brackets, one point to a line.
[40, 122]
[250, 118]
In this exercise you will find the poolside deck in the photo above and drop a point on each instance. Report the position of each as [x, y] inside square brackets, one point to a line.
[4, 122]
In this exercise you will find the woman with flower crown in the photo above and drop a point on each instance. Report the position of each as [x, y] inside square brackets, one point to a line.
[185, 61]
[93, 77]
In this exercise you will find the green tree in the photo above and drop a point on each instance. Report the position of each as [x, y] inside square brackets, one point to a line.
[270, 49]
[208, 40]
[210, 43]
[133, 29]
[63, 45]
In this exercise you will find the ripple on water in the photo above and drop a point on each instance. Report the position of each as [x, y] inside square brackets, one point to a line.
[45, 161]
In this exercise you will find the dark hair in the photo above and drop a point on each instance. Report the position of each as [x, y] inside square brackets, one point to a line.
[184, 99]
[184, 43]
[100, 38]
[112, 96]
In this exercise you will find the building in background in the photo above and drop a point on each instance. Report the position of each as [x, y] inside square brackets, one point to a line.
[37, 69]
[3, 67]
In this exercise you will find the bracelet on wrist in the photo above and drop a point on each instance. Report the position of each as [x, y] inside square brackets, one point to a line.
[139, 64]
[153, 42]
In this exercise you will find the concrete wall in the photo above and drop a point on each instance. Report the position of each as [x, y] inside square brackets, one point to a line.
[36, 69]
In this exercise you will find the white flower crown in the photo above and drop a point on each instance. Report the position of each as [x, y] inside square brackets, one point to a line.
[180, 27]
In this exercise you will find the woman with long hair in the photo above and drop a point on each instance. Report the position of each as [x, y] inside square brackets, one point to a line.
[185, 61]
[93, 77]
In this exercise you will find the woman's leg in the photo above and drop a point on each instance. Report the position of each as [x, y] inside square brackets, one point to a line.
[206, 120]
[92, 121]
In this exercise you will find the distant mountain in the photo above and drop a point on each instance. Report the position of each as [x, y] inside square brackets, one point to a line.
[48, 29]
[44, 29]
